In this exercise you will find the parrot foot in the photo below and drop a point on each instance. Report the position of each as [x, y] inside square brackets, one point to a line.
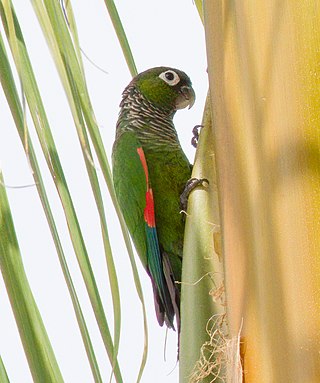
[195, 138]
[190, 185]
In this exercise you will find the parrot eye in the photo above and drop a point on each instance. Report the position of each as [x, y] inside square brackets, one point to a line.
[170, 77]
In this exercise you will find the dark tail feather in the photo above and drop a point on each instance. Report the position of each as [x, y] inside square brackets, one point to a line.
[167, 302]
[165, 310]
[160, 312]
[172, 288]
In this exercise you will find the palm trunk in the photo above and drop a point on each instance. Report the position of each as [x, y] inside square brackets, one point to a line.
[264, 79]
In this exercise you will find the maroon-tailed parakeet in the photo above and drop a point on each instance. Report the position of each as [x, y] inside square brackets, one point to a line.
[150, 172]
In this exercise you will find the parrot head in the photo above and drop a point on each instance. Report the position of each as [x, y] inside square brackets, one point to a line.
[166, 88]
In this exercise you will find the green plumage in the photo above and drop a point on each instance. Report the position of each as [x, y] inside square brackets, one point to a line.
[145, 132]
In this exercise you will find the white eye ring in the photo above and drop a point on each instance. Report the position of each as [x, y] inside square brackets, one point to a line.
[170, 77]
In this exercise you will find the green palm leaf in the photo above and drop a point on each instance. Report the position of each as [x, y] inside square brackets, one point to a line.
[42, 362]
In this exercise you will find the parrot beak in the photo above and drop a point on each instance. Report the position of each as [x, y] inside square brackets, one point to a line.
[186, 97]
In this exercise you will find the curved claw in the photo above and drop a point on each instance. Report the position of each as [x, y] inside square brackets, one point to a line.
[195, 138]
[190, 185]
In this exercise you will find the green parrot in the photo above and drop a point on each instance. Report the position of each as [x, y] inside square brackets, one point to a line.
[150, 172]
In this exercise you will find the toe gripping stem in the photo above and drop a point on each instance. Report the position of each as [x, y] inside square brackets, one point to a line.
[190, 185]
[195, 138]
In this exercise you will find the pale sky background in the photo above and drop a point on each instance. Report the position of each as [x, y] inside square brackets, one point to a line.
[160, 33]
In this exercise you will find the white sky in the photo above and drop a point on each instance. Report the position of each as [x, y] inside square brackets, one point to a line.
[160, 33]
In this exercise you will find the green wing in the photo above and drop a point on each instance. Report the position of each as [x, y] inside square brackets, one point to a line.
[130, 186]
[135, 197]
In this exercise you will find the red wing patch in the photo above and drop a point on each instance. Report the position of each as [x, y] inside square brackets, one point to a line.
[149, 209]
